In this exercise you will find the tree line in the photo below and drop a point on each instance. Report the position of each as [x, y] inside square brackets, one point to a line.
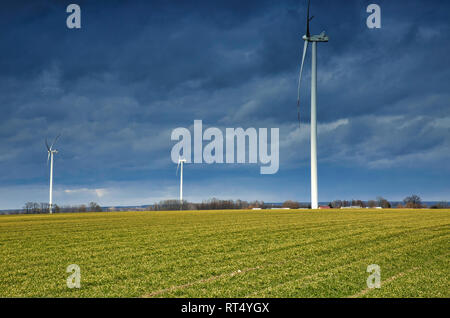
[211, 204]
[36, 208]
[413, 201]
[379, 202]
[409, 202]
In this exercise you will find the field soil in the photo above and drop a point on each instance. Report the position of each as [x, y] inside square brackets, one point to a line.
[264, 253]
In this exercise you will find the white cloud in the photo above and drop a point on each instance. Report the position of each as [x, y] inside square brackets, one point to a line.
[101, 192]
[98, 192]
[441, 122]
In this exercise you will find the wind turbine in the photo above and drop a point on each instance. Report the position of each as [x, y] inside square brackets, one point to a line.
[51, 152]
[322, 37]
[181, 161]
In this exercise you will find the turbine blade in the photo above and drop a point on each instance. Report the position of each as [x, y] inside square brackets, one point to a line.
[51, 147]
[307, 20]
[46, 144]
[305, 47]
[178, 166]
[48, 157]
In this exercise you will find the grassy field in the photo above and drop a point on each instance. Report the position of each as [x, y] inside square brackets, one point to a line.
[265, 253]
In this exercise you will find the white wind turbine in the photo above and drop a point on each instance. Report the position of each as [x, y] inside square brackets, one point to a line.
[313, 39]
[181, 161]
[51, 152]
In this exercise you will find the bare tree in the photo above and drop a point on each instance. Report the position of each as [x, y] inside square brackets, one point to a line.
[28, 208]
[413, 201]
[45, 207]
[291, 204]
[94, 207]
[358, 203]
[336, 204]
[440, 205]
[382, 202]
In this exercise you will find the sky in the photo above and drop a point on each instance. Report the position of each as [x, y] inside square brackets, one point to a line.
[117, 87]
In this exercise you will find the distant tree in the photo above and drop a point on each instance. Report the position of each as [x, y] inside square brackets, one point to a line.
[256, 204]
[336, 204]
[169, 205]
[94, 207]
[413, 201]
[372, 204]
[358, 203]
[44, 207]
[382, 202]
[36, 208]
[28, 208]
[443, 205]
[291, 204]
[440, 205]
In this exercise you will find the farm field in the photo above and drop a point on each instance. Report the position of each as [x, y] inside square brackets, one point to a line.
[264, 253]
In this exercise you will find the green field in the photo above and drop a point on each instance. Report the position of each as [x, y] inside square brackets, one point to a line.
[267, 253]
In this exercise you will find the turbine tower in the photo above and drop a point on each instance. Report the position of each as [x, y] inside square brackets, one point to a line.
[181, 161]
[313, 39]
[51, 152]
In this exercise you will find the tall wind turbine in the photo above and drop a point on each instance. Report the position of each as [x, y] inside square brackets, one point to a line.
[51, 152]
[313, 39]
[181, 161]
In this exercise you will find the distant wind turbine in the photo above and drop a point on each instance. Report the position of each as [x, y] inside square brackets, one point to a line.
[51, 152]
[313, 39]
[181, 161]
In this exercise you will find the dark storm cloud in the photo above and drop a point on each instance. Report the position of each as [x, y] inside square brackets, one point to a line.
[136, 70]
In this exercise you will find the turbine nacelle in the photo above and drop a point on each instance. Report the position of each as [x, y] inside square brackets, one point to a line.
[322, 37]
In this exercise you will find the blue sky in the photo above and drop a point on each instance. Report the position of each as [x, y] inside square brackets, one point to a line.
[136, 70]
